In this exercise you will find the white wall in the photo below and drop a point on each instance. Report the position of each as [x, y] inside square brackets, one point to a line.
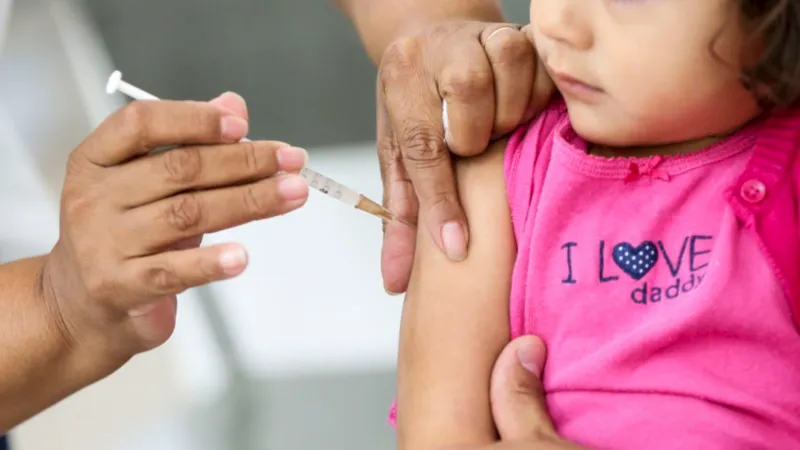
[312, 298]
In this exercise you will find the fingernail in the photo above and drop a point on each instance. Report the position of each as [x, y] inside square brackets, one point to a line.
[292, 187]
[231, 102]
[233, 128]
[530, 358]
[233, 260]
[234, 97]
[392, 294]
[292, 158]
[454, 241]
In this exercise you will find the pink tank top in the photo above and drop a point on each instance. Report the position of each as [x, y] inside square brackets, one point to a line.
[666, 325]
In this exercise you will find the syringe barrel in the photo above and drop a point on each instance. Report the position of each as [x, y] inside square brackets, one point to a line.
[330, 187]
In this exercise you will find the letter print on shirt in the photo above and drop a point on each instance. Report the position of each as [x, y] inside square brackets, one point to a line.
[682, 266]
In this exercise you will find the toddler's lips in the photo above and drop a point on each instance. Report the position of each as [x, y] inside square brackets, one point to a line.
[572, 86]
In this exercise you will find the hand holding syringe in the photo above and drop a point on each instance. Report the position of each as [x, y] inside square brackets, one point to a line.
[315, 180]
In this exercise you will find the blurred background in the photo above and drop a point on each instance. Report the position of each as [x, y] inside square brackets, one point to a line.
[298, 352]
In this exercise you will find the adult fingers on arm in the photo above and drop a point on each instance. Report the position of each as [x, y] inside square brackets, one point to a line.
[195, 167]
[173, 272]
[518, 399]
[399, 240]
[466, 82]
[194, 213]
[513, 62]
[415, 112]
[141, 126]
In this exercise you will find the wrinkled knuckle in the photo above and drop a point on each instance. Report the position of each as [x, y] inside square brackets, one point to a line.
[441, 199]
[255, 162]
[256, 202]
[422, 146]
[185, 213]
[405, 49]
[183, 165]
[163, 279]
[465, 83]
[528, 390]
[386, 146]
[399, 58]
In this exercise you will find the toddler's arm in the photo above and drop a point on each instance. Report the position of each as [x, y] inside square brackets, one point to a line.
[455, 319]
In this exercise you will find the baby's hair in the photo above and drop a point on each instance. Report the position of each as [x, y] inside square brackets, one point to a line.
[775, 77]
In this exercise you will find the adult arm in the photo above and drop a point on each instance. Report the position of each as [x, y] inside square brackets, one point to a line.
[379, 22]
[455, 320]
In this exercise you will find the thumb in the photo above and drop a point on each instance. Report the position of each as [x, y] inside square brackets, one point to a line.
[518, 399]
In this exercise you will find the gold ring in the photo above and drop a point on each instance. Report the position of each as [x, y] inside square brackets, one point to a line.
[493, 33]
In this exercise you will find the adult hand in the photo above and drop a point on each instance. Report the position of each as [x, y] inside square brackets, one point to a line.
[518, 400]
[131, 219]
[488, 74]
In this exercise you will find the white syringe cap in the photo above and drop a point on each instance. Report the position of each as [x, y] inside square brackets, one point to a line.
[113, 82]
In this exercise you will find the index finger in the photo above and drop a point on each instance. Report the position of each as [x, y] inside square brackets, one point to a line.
[141, 126]
[415, 111]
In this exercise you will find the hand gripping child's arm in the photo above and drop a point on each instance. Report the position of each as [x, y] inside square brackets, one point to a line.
[455, 319]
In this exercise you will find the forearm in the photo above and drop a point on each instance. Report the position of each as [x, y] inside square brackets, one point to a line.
[39, 366]
[455, 321]
[379, 22]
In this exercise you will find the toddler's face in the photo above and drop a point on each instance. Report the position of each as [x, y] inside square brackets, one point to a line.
[645, 72]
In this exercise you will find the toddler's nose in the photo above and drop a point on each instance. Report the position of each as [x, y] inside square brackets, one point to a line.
[564, 21]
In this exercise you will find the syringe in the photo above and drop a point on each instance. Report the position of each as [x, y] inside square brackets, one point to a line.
[315, 180]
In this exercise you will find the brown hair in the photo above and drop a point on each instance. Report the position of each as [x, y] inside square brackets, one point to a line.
[775, 77]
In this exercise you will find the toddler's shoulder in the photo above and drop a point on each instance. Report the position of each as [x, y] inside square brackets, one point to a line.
[529, 141]
[778, 146]
[541, 128]
[526, 155]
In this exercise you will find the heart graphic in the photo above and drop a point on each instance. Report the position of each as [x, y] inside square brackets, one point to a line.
[636, 261]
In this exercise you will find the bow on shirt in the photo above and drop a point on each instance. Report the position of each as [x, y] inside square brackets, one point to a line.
[648, 168]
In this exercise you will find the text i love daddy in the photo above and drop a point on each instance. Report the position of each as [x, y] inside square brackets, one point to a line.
[655, 270]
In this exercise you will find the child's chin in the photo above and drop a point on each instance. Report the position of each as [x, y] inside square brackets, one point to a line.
[602, 132]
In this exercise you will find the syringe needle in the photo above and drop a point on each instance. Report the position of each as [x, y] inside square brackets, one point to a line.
[315, 180]
[374, 208]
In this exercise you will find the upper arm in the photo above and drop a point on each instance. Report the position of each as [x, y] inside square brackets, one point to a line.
[455, 318]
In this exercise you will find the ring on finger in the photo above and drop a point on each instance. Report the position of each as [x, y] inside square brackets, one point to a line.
[497, 31]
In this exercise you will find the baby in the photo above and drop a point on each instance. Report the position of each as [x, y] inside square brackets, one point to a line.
[645, 226]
